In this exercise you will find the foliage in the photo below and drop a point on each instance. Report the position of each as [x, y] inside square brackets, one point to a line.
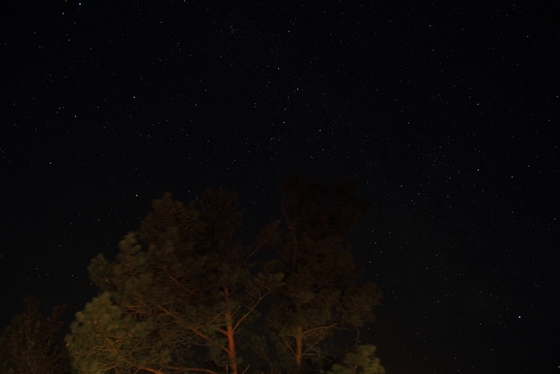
[363, 361]
[183, 294]
[321, 294]
[29, 344]
[178, 294]
[104, 338]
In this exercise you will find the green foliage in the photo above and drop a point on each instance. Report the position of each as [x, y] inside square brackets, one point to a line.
[30, 345]
[183, 295]
[178, 293]
[103, 338]
[362, 361]
[321, 293]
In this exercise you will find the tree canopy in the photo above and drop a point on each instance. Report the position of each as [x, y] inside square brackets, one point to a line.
[185, 295]
[30, 344]
[320, 294]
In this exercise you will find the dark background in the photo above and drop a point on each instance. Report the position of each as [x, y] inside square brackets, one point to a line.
[446, 116]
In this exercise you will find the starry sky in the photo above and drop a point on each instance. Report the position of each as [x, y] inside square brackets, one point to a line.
[445, 115]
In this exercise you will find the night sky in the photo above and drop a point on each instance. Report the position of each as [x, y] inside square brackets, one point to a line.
[445, 115]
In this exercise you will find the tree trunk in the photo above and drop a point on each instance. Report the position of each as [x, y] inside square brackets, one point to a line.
[299, 347]
[230, 335]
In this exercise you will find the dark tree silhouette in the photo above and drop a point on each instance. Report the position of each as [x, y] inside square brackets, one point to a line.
[321, 292]
[178, 294]
[183, 294]
[31, 344]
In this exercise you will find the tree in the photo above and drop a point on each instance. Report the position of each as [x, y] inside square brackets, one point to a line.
[183, 295]
[321, 292]
[30, 345]
[363, 361]
[178, 294]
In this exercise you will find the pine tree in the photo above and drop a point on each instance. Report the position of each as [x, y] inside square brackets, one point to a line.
[30, 345]
[178, 294]
[321, 292]
[362, 361]
[183, 294]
